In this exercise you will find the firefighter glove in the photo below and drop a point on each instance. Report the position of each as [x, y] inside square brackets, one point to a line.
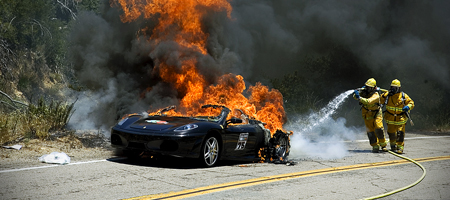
[357, 94]
[405, 109]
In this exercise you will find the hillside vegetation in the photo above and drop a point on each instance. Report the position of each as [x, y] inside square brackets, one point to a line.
[35, 71]
[33, 67]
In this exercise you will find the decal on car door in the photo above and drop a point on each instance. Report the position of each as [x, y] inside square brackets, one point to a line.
[243, 137]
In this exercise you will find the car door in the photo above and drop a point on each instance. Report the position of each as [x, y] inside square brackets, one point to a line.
[240, 141]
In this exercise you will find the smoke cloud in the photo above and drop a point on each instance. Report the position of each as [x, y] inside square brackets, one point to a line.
[319, 135]
[322, 141]
[395, 39]
[408, 40]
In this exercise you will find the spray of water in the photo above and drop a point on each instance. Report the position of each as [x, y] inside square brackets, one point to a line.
[318, 135]
[316, 119]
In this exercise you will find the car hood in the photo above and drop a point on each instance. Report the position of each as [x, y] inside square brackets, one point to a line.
[161, 123]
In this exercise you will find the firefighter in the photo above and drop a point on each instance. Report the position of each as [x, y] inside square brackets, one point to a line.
[369, 99]
[398, 104]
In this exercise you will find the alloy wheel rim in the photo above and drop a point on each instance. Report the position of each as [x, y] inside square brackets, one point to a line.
[283, 147]
[211, 151]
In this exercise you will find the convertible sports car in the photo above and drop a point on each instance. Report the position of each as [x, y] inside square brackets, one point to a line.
[207, 138]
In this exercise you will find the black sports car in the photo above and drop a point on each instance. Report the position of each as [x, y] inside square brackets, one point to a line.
[208, 138]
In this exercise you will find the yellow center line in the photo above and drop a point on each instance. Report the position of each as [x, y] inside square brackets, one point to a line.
[268, 179]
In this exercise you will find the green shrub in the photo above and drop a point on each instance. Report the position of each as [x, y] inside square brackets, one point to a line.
[11, 126]
[37, 121]
[56, 114]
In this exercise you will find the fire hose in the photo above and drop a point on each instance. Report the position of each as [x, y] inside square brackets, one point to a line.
[406, 187]
[376, 89]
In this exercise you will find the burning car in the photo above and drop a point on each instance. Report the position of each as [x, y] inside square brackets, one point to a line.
[206, 138]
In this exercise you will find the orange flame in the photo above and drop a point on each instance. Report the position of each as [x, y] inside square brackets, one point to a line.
[181, 21]
[174, 15]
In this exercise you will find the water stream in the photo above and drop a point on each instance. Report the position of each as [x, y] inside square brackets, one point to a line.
[315, 119]
[318, 135]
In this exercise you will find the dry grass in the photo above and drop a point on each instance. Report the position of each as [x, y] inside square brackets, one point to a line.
[11, 126]
[37, 121]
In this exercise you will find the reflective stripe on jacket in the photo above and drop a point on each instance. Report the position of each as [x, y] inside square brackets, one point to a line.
[370, 106]
[394, 108]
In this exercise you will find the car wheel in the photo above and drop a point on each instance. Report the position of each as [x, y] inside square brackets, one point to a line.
[283, 149]
[210, 151]
[281, 146]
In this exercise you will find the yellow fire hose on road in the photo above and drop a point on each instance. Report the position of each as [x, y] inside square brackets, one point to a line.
[406, 187]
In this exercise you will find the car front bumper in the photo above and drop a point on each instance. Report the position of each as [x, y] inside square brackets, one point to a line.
[179, 145]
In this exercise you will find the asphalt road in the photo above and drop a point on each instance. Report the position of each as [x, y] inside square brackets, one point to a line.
[118, 178]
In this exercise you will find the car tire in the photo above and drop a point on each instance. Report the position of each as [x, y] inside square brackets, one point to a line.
[210, 151]
[281, 146]
[283, 150]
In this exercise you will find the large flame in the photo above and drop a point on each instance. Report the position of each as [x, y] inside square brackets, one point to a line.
[180, 21]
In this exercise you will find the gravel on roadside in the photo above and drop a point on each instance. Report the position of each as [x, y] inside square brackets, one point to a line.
[80, 146]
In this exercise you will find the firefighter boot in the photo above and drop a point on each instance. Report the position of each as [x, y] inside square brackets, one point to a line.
[373, 141]
[400, 149]
[381, 140]
[375, 149]
[400, 141]
[394, 148]
[393, 141]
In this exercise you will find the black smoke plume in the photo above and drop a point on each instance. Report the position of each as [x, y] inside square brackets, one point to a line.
[265, 39]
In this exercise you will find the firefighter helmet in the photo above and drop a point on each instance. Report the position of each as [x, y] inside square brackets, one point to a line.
[396, 83]
[371, 82]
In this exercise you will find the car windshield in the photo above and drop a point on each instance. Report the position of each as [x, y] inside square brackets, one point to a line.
[166, 112]
[207, 118]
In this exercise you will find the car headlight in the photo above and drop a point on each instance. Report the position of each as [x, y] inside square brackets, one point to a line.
[122, 121]
[186, 127]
